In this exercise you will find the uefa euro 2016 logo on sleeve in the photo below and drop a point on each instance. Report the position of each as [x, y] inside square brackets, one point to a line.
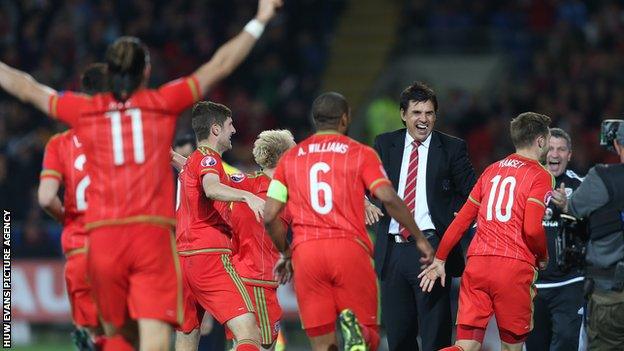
[208, 161]
[237, 177]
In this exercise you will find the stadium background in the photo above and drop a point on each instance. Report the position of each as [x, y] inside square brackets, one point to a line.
[487, 60]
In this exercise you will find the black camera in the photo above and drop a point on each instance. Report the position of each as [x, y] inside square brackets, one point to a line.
[570, 244]
[609, 131]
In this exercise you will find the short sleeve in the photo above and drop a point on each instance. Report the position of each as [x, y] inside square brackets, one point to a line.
[180, 94]
[373, 172]
[67, 106]
[52, 160]
[278, 189]
[476, 192]
[541, 189]
[210, 163]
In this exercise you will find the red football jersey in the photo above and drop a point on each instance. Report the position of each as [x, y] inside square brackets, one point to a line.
[203, 224]
[65, 160]
[502, 193]
[128, 145]
[256, 254]
[326, 177]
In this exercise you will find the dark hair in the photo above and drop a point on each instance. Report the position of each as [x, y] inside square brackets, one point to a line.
[205, 114]
[527, 127]
[94, 79]
[127, 58]
[328, 108]
[560, 133]
[418, 92]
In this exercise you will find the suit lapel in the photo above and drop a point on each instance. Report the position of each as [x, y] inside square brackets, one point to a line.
[433, 162]
[395, 157]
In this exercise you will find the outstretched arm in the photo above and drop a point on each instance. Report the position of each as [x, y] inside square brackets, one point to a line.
[231, 54]
[450, 238]
[24, 87]
[215, 190]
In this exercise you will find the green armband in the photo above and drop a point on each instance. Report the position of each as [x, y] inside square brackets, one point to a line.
[277, 191]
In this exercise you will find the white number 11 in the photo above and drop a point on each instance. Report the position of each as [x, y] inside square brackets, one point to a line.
[137, 135]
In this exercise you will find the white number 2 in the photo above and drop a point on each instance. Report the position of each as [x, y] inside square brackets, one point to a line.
[504, 190]
[316, 187]
[81, 188]
[137, 135]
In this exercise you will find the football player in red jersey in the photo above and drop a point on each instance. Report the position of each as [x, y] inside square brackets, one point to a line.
[322, 182]
[63, 163]
[203, 235]
[255, 253]
[126, 135]
[508, 202]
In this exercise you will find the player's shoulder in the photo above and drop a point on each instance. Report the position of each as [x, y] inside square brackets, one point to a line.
[544, 174]
[58, 138]
[204, 157]
[364, 149]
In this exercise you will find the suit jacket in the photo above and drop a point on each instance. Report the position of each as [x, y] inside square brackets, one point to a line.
[450, 178]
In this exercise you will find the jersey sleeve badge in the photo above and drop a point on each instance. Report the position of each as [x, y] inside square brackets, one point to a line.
[208, 161]
[237, 177]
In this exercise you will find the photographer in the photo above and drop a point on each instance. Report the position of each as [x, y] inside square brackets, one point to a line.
[560, 286]
[600, 198]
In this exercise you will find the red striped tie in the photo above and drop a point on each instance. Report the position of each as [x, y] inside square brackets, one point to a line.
[409, 196]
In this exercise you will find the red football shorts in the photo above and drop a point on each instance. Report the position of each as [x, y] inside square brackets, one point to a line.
[500, 285]
[268, 313]
[135, 272]
[84, 312]
[331, 275]
[211, 284]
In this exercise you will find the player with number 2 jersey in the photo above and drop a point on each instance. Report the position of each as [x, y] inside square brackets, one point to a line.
[64, 161]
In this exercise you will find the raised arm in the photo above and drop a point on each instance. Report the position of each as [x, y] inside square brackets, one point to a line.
[24, 87]
[231, 54]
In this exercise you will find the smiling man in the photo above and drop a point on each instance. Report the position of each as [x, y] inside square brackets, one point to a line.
[560, 288]
[432, 174]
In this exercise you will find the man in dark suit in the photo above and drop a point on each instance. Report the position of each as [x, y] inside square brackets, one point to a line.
[433, 175]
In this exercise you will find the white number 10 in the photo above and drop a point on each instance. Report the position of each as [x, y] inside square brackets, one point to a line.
[511, 181]
[137, 135]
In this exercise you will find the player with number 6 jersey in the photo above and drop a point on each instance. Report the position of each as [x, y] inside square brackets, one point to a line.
[508, 202]
[322, 183]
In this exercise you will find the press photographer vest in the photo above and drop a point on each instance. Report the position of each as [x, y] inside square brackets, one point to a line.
[606, 224]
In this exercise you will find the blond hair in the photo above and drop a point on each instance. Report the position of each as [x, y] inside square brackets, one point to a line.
[270, 145]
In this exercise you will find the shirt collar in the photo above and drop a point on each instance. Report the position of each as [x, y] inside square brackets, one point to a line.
[409, 140]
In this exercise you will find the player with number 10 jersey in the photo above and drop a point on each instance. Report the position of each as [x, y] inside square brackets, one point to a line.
[508, 202]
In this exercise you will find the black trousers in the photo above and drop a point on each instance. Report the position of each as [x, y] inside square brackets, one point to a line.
[406, 310]
[556, 319]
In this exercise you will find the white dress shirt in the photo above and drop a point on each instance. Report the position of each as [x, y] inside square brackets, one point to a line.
[421, 209]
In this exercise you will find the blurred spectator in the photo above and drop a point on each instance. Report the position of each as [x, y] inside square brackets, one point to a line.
[563, 58]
